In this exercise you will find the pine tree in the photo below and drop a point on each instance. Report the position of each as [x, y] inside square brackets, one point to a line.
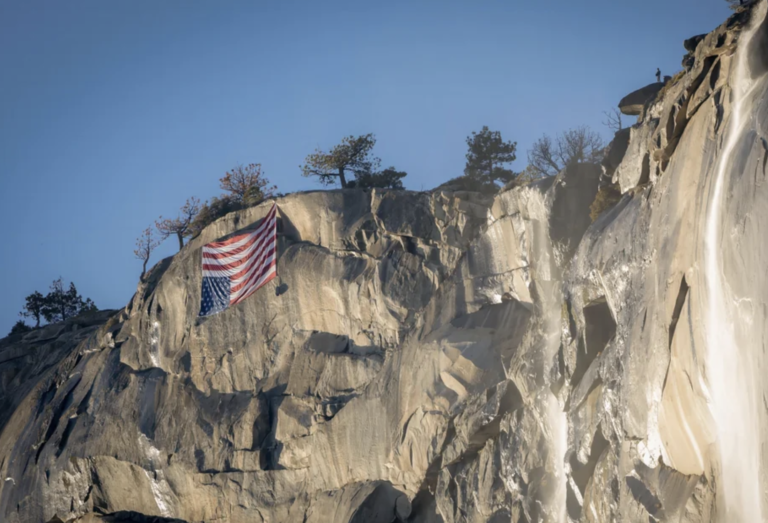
[389, 178]
[351, 157]
[33, 308]
[487, 155]
[61, 304]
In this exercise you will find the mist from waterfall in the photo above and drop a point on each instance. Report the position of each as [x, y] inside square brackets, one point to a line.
[733, 397]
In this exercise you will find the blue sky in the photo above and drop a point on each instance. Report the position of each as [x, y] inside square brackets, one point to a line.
[112, 113]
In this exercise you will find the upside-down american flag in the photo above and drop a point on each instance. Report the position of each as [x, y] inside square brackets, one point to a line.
[236, 268]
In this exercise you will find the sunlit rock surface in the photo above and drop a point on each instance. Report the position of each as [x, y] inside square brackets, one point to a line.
[424, 357]
[633, 103]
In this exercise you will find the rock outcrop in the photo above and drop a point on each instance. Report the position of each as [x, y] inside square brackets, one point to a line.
[427, 357]
[633, 103]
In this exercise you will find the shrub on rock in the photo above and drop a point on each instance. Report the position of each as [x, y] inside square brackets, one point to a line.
[607, 196]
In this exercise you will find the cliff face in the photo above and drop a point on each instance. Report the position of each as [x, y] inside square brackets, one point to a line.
[441, 356]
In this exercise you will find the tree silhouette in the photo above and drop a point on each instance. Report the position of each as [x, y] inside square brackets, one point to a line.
[145, 244]
[61, 304]
[487, 155]
[352, 156]
[180, 225]
[19, 328]
[33, 307]
[389, 178]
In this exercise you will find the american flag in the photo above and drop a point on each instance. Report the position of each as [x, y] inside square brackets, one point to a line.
[236, 268]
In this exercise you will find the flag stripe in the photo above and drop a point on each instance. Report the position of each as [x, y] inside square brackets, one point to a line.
[228, 243]
[234, 269]
[271, 272]
[221, 255]
[234, 262]
[254, 271]
[257, 283]
[216, 255]
[245, 274]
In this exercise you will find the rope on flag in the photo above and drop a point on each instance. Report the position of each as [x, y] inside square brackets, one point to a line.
[234, 269]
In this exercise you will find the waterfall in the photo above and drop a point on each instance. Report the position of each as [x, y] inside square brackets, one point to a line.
[558, 424]
[733, 396]
[154, 335]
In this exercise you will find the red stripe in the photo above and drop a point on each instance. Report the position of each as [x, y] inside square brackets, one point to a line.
[250, 292]
[266, 254]
[257, 257]
[264, 250]
[237, 250]
[272, 223]
[218, 267]
[218, 245]
[221, 244]
[252, 260]
[253, 280]
[254, 276]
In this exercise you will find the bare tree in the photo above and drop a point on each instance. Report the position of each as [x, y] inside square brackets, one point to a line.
[145, 244]
[613, 120]
[180, 225]
[548, 157]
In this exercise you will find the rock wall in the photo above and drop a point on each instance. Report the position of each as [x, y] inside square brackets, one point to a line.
[425, 357]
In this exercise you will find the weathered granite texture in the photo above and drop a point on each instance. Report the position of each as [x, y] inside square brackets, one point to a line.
[423, 357]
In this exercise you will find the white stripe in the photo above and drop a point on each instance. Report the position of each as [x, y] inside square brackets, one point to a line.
[259, 266]
[255, 261]
[256, 268]
[230, 272]
[238, 243]
[255, 286]
[244, 240]
[235, 257]
[247, 238]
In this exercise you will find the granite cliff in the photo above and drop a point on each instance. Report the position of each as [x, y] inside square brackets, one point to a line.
[443, 356]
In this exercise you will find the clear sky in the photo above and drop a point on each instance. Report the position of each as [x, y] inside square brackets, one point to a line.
[114, 112]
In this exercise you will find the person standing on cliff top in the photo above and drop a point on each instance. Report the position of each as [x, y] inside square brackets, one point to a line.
[658, 75]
